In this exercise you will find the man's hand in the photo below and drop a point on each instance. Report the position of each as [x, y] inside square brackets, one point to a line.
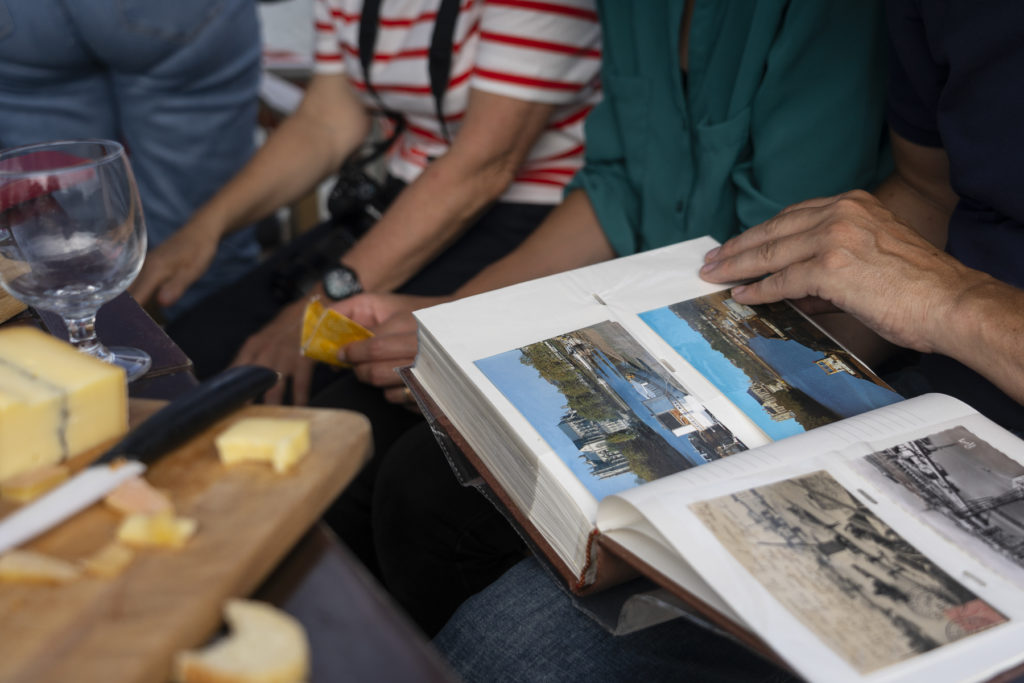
[173, 266]
[374, 360]
[372, 309]
[852, 253]
[277, 346]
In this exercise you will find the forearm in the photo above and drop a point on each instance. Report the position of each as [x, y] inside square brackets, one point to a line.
[983, 330]
[301, 152]
[570, 237]
[425, 219]
[919, 191]
[495, 136]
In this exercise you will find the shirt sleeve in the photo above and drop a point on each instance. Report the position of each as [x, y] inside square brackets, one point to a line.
[327, 57]
[914, 76]
[817, 121]
[545, 51]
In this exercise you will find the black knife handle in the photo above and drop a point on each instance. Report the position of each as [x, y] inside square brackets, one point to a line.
[191, 412]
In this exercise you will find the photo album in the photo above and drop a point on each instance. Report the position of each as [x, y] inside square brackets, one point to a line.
[632, 418]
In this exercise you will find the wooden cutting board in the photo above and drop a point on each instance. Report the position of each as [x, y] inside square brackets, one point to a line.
[128, 628]
[9, 306]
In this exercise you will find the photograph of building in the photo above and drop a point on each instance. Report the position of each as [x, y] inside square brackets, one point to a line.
[844, 573]
[608, 408]
[778, 367]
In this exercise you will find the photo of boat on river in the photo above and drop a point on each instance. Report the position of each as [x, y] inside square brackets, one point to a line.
[775, 365]
[608, 408]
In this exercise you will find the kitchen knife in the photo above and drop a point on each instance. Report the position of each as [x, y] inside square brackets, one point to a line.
[173, 424]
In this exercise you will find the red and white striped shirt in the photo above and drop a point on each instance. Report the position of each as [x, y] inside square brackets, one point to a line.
[535, 50]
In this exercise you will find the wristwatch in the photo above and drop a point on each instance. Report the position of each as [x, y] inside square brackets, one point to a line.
[341, 282]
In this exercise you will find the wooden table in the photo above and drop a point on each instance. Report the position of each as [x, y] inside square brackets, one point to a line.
[127, 628]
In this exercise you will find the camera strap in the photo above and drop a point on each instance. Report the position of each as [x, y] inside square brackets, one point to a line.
[439, 58]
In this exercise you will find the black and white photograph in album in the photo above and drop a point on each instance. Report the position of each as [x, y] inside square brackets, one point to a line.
[861, 588]
[961, 486]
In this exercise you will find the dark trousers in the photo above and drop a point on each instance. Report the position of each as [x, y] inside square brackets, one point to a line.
[434, 542]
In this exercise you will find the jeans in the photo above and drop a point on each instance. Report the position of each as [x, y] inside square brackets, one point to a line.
[176, 82]
[524, 628]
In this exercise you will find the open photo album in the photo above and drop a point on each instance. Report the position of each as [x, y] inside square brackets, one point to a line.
[629, 414]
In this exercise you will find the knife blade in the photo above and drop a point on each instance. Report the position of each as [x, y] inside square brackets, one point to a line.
[170, 426]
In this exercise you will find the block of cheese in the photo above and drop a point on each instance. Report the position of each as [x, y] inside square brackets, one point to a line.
[32, 567]
[266, 645]
[55, 402]
[33, 483]
[279, 441]
[162, 530]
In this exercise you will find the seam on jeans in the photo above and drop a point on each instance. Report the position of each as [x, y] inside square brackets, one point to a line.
[170, 34]
[69, 21]
[6, 21]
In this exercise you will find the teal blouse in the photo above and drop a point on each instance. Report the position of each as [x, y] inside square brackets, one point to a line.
[783, 101]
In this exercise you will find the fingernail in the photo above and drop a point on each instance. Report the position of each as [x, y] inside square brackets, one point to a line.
[707, 268]
[738, 290]
[342, 356]
[711, 254]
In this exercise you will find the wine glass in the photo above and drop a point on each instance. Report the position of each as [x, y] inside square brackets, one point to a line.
[72, 236]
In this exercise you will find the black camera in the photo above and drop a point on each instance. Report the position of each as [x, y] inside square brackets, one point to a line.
[353, 201]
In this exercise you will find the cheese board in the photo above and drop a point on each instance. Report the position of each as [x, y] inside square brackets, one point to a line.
[127, 628]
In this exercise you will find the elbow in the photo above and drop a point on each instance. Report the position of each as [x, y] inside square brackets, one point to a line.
[495, 174]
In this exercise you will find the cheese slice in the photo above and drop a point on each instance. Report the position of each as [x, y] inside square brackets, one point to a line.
[32, 567]
[324, 331]
[137, 497]
[55, 402]
[279, 441]
[109, 561]
[162, 530]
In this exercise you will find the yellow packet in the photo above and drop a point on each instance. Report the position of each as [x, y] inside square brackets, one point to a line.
[324, 331]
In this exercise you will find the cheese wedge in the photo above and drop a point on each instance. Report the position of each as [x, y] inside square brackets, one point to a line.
[266, 645]
[29, 485]
[279, 441]
[32, 567]
[162, 530]
[55, 402]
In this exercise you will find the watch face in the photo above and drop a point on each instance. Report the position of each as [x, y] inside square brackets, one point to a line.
[341, 282]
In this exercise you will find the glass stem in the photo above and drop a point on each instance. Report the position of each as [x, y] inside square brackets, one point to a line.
[82, 333]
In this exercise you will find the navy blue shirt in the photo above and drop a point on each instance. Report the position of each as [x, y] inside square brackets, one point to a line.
[957, 82]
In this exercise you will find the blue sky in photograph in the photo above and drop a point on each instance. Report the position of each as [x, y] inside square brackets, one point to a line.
[841, 392]
[543, 407]
[729, 379]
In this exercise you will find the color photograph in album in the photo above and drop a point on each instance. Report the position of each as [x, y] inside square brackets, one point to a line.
[866, 592]
[609, 410]
[777, 367]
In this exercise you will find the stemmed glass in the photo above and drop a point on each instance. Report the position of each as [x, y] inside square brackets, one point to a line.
[72, 236]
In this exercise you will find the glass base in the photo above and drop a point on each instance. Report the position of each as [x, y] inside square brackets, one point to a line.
[135, 362]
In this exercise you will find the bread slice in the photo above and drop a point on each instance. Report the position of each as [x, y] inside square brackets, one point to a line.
[266, 645]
